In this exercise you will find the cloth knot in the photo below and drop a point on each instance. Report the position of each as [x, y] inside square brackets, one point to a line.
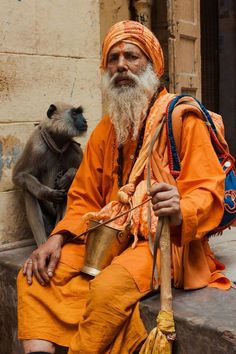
[165, 322]
[125, 193]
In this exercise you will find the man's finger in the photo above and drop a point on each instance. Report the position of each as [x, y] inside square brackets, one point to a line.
[36, 272]
[163, 204]
[164, 212]
[163, 195]
[29, 271]
[42, 268]
[26, 265]
[159, 187]
[53, 263]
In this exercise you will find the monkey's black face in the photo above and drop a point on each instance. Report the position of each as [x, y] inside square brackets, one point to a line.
[79, 120]
[66, 121]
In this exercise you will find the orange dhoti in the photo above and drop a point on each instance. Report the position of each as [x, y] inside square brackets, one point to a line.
[101, 315]
[89, 316]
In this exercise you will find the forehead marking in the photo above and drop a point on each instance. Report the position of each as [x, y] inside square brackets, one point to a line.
[121, 47]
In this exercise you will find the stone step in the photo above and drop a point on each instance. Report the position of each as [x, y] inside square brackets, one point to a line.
[205, 319]
[10, 263]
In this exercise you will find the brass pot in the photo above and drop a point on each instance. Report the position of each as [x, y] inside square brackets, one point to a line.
[102, 245]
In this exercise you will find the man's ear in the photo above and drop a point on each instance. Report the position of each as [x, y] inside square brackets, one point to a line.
[52, 108]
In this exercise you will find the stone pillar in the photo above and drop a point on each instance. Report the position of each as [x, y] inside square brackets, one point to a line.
[49, 51]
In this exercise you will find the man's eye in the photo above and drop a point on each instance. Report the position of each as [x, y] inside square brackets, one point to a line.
[131, 56]
[112, 59]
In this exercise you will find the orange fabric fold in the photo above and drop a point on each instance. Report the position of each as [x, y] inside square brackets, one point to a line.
[53, 313]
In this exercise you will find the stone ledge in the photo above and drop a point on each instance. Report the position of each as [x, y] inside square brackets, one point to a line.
[10, 263]
[205, 319]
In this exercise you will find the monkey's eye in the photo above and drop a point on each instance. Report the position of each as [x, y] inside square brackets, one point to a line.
[73, 113]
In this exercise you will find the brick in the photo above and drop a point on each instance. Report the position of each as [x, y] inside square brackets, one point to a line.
[29, 84]
[65, 28]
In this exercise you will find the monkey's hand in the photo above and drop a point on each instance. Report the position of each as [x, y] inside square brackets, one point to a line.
[65, 181]
[43, 261]
[51, 195]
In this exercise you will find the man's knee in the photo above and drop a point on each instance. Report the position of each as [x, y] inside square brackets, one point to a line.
[20, 277]
[35, 346]
[110, 285]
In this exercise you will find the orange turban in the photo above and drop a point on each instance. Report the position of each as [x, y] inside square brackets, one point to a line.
[135, 33]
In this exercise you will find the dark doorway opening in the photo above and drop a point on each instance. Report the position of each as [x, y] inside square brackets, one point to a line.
[218, 53]
[210, 54]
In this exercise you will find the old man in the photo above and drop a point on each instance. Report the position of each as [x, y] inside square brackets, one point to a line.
[59, 305]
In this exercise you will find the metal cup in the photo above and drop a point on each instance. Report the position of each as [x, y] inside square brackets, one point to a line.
[102, 245]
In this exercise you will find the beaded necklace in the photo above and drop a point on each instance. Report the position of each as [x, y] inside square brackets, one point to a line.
[120, 159]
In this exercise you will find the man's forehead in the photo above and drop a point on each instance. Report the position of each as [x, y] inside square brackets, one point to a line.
[125, 47]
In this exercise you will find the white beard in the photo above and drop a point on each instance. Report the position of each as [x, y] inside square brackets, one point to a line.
[127, 105]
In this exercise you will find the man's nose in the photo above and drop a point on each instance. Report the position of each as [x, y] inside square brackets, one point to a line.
[122, 64]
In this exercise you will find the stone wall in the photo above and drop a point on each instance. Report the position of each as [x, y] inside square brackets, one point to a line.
[112, 11]
[49, 51]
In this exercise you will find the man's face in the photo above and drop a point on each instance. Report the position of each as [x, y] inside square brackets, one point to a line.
[125, 58]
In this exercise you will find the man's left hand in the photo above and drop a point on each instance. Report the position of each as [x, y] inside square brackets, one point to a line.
[166, 202]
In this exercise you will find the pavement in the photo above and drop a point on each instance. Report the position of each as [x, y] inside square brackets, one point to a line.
[224, 248]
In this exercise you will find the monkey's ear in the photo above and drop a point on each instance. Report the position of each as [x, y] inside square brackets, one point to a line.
[79, 110]
[52, 108]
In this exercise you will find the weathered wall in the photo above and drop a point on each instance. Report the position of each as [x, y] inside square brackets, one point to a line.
[49, 51]
[112, 11]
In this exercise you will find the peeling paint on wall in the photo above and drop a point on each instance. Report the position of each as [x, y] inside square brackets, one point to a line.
[1, 161]
[7, 82]
[10, 149]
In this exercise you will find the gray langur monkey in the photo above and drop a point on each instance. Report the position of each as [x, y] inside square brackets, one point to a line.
[47, 166]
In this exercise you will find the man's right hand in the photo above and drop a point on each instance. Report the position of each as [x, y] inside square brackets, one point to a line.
[43, 260]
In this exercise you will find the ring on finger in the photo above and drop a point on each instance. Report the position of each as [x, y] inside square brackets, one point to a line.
[30, 261]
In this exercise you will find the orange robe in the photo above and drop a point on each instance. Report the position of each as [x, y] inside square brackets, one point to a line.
[201, 187]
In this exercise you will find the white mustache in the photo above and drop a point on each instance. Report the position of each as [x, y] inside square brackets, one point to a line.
[122, 76]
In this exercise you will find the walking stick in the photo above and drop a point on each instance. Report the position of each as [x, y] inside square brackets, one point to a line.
[159, 340]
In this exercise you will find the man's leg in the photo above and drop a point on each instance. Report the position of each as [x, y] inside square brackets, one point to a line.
[50, 314]
[38, 345]
[111, 301]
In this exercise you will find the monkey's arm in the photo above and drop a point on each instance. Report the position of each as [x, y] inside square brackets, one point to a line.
[29, 182]
[30, 166]
[65, 181]
[74, 160]
[35, 218]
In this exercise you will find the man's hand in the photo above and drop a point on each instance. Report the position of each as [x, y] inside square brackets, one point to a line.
[166, 202]
[43, 260]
